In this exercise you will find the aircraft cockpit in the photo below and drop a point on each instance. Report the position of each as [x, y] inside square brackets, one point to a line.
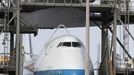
[69, 44]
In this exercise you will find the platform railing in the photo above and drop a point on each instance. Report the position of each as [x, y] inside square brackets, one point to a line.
[68, 1]
[55, 1]
[131, 7]
[107, 2]
[65, 3]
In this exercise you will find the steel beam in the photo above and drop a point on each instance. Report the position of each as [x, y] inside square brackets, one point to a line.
[18, 52]
[104, 42]
[87, 38]
[114, 36]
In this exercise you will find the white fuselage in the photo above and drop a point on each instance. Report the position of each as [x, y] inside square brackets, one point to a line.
[64, 56]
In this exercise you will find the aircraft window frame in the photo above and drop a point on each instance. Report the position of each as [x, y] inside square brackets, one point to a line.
[60, 44]
[76, 44]
[67, 44]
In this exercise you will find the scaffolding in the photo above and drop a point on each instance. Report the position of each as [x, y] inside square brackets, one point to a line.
[109, 10]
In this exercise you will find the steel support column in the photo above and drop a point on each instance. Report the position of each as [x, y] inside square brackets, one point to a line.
[103, 66]
[87, 38]
[12, 54]
[18, 51]
[104, 46]
[11, 42]
[114, 37]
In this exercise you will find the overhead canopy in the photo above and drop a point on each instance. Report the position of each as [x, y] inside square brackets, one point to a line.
[52, 17]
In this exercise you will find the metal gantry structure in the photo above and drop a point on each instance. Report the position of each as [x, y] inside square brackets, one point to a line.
[111, 13]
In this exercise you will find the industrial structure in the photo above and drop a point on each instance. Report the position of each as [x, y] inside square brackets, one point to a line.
[106, 15]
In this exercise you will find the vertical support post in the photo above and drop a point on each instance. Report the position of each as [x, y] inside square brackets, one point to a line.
[114, 37]
[12, 50]
[126, 26]
[30, 42]
[104, 41]
[11, 42]
[18, 52]
[87, 37]
[98, 56]
[21, 56]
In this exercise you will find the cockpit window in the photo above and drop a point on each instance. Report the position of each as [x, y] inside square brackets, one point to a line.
[76, 44]
[60, 44]
[69, 44]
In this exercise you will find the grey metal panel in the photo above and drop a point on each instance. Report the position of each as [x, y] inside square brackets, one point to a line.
[52, 17]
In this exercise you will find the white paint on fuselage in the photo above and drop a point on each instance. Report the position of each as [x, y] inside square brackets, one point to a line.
[62, 57]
